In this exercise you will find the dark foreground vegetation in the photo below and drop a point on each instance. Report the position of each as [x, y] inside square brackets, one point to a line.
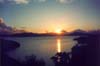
[84, 53]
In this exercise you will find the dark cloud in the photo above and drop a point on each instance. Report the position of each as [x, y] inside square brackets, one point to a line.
[4, 29]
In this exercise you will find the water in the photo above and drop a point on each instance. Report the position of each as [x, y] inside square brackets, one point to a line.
[42, 47]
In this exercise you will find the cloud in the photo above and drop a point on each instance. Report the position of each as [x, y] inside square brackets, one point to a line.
[65, 1]
[40, 0]
[5, 29]
[20, 1]
[28, 1]
[15, 1]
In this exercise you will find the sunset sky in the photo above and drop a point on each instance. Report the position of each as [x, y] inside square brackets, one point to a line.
[50, 15]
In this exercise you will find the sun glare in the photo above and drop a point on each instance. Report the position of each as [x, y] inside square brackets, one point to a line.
[58, 31]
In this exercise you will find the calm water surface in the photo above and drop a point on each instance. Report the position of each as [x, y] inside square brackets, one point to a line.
[42, 47]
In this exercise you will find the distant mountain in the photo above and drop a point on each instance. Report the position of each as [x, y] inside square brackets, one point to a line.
[23, 34]
[94, 31]
[33, 34]
[78, 32]
[28, 34]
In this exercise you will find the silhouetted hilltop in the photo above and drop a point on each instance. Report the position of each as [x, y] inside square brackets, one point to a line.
[7, 45]
[78, 32]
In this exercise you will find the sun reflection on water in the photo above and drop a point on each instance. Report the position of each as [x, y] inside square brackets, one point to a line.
[58, 45]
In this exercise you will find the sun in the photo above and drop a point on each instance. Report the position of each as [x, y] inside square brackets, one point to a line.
[58, 31]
